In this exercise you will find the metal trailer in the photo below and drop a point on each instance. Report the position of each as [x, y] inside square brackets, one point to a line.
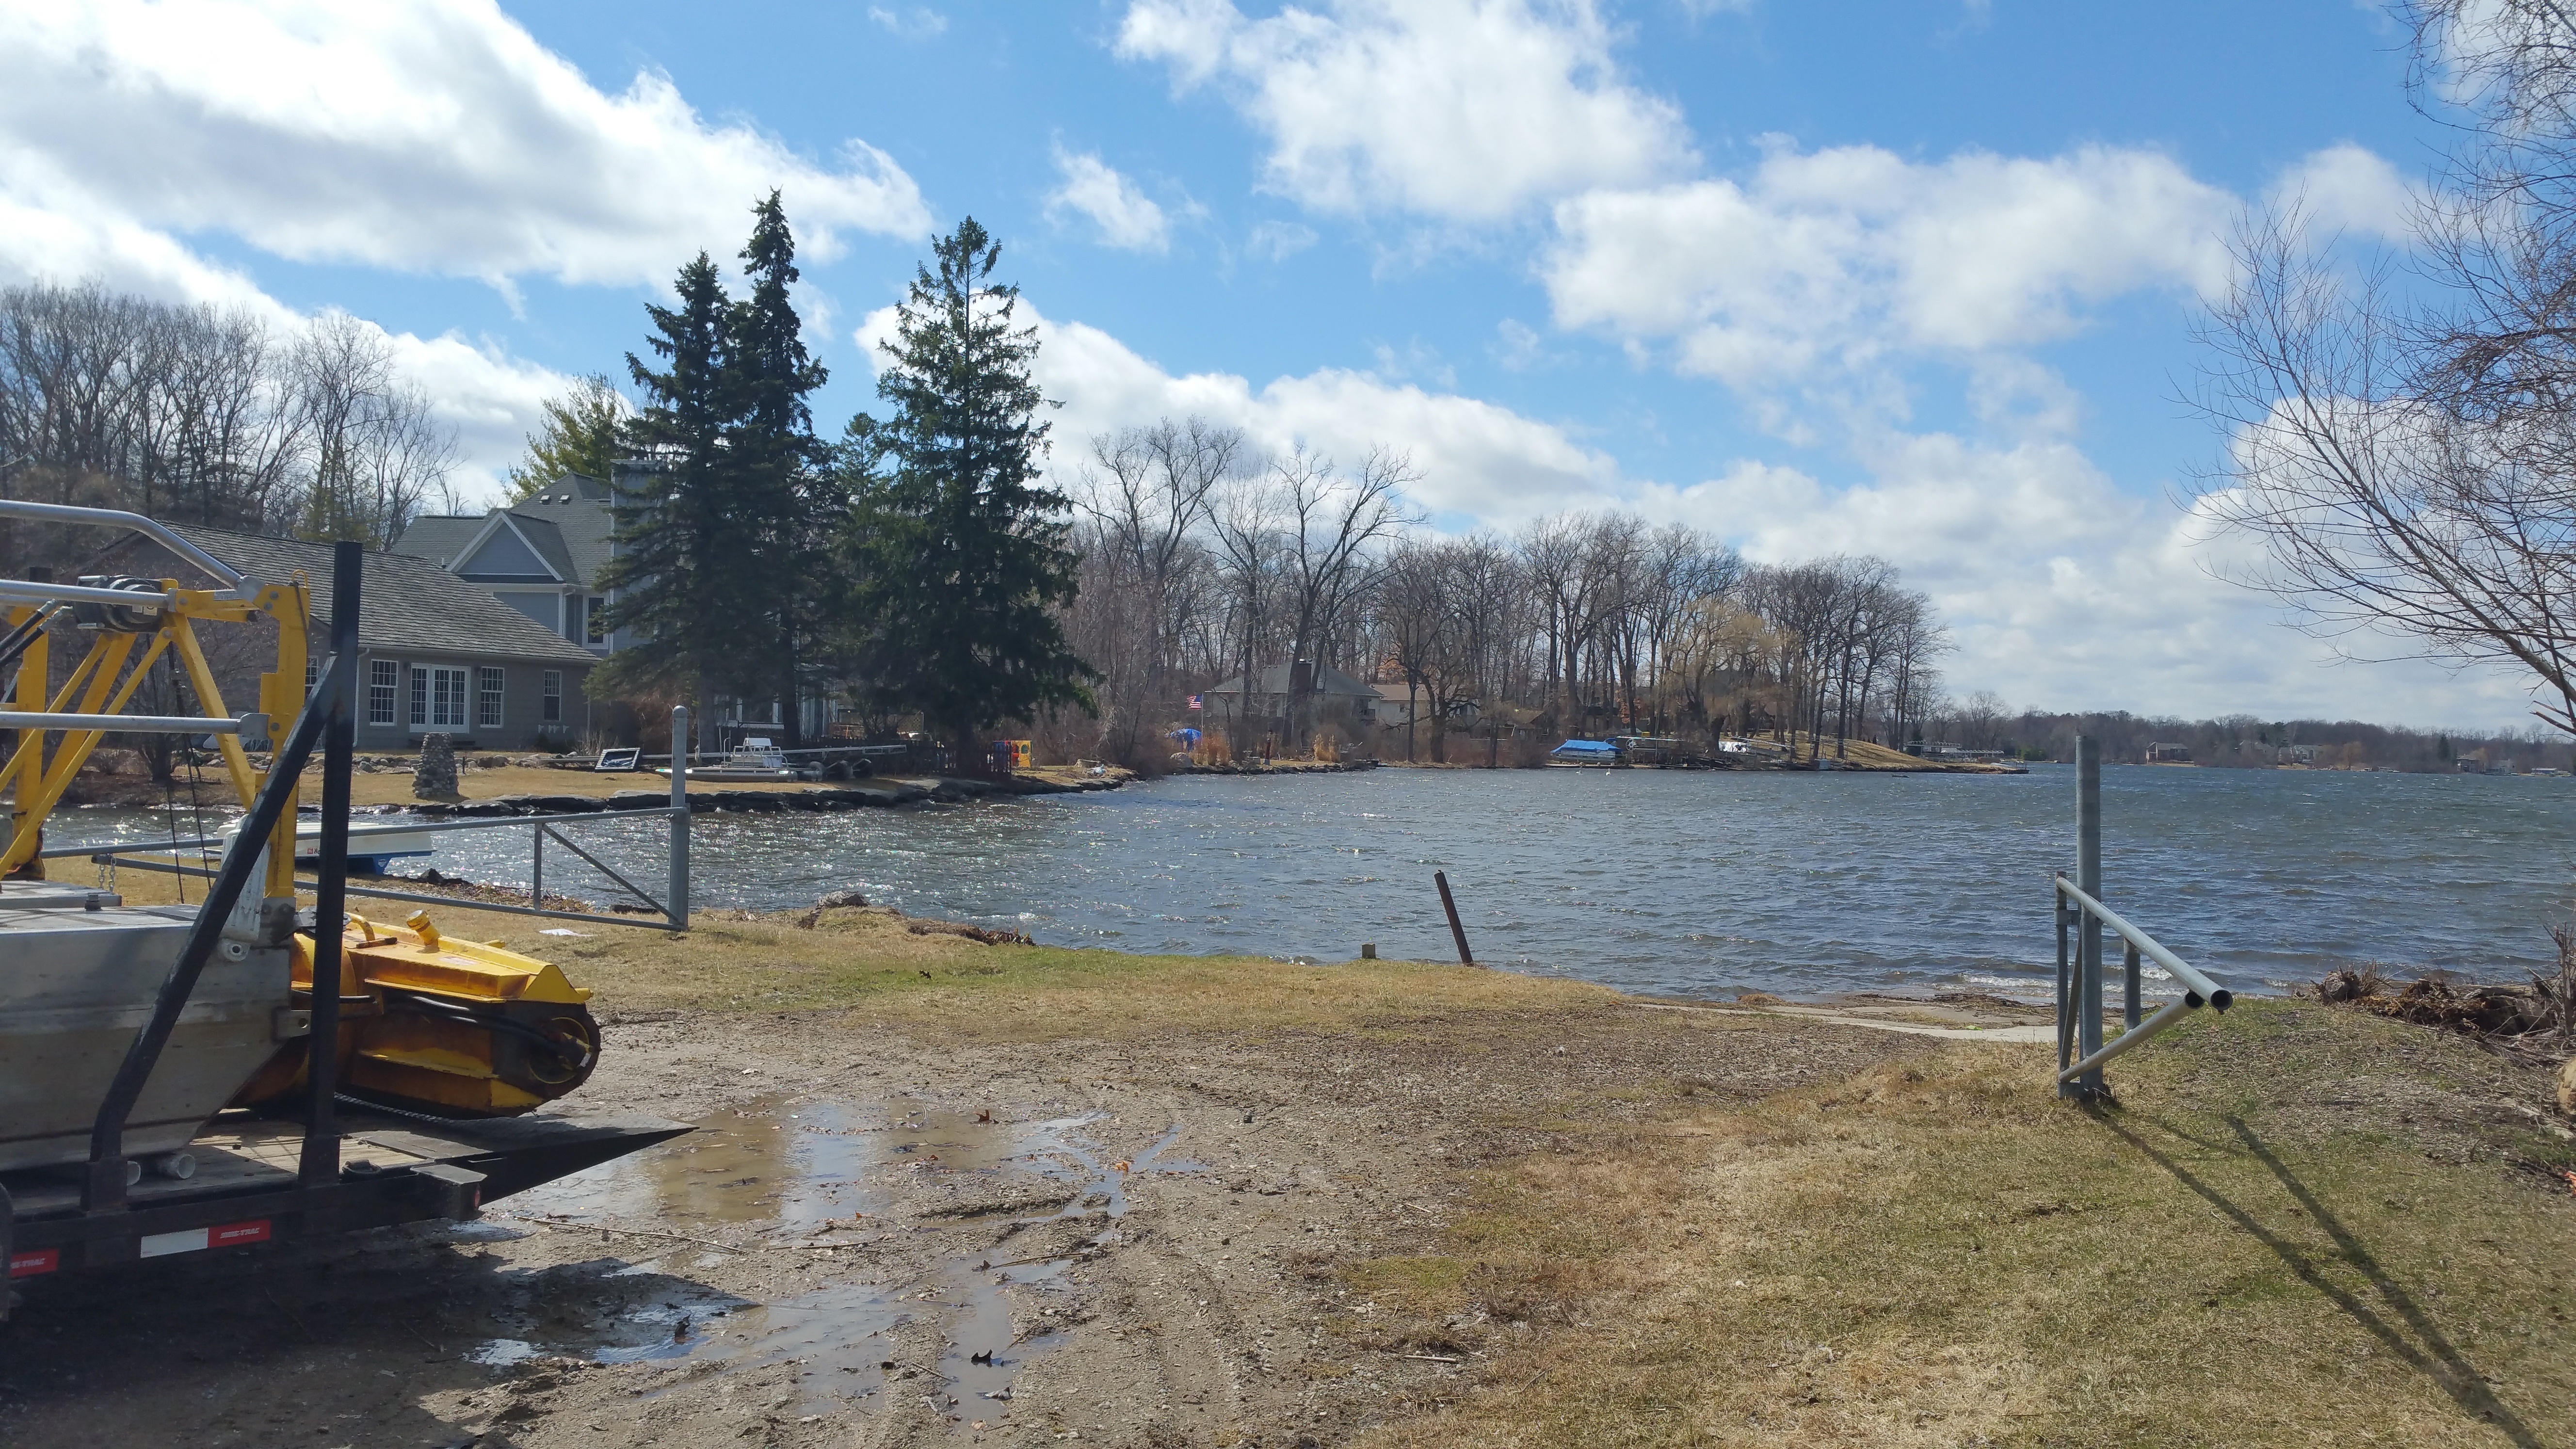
[247, 1186]
[146, 1190]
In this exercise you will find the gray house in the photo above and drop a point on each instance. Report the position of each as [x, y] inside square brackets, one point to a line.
[542, 557]
[437, 655]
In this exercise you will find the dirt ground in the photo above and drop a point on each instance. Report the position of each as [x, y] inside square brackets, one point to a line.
[880, 1237]
[942, 1192]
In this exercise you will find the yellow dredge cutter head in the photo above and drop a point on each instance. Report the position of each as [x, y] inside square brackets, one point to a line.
[452, 1028]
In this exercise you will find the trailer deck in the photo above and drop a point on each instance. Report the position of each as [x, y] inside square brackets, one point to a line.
[395, 1168]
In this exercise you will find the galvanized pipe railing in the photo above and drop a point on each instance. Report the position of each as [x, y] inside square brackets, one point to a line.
[250, 726]
[152, 528]
[672, 911]
[2081, 918]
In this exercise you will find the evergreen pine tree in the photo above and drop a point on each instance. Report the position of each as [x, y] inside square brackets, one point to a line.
[688, 557]
[960, 551]
[777, 462]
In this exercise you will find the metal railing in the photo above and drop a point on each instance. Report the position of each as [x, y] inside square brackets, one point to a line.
[153, 528]
[2081, 917]
[671, 913]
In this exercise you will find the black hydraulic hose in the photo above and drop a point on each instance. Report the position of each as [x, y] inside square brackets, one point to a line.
[574, 1059]
[19, 640]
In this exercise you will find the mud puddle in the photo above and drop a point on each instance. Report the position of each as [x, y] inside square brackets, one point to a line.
[814, 1176]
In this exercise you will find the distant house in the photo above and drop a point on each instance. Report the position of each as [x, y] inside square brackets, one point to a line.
[1274, 687]
[542, 557]
[436, 654]
[1316, 695]
[1400, 704]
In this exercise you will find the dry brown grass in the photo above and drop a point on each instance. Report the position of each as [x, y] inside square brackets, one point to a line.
[1937, 1252]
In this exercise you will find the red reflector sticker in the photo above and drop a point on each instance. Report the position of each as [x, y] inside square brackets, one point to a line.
[28, 1265]
[234, 1234]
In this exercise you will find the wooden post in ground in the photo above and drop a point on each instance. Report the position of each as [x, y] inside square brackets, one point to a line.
[1449, 903]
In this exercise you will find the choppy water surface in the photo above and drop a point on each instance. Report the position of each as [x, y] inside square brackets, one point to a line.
[1681, 883]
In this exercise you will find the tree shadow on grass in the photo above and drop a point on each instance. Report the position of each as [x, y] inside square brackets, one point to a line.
[2411, 1335]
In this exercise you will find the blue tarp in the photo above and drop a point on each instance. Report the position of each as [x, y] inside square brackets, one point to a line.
[1585, 747]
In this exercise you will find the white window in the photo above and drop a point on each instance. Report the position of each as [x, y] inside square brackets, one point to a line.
[553, 713]
[437, 697]
[598, 620]
[312, 673]
[490, 683]
[384, 676]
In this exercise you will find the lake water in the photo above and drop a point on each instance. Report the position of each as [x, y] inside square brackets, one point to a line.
[1670, 882]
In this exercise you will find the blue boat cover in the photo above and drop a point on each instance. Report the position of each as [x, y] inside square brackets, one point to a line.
[1585, 747]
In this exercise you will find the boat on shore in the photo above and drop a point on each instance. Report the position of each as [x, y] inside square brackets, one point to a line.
[755, 759]
[1584, 754]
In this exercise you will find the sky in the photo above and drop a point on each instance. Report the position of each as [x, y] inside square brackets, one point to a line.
[1916, 280]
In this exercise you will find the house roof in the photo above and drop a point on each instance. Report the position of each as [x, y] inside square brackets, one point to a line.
[1274, 680]
[584, 523]
[439, 537]
[408, 604]
[569, 525]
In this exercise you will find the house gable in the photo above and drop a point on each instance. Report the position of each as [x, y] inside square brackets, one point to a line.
[510, 550]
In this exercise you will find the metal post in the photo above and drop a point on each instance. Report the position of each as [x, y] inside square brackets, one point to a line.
[2065, 984]
[2129, 988]
[2088, 877]
[537, 872]
[321, 1161]
[678, 898]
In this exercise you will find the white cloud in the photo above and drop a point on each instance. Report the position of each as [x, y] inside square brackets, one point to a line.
[2348, 189]
[1837, 259]
[492, 399]
[1517, 345]
[1478, 460]
[1462, 110]
[1277, 241]
[918, 23]
[1128, 219]
[421, 137]
[2067, 592]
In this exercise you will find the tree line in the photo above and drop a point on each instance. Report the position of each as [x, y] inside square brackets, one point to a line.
[923, 564]
[1982, 721]
[1202, 564]
[210, 416]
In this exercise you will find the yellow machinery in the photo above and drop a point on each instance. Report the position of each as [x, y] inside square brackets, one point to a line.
[451, 1028]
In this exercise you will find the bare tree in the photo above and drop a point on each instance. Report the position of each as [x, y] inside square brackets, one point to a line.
[1145, 498]
[1329, 523]
[374, 451]
[2405, 464]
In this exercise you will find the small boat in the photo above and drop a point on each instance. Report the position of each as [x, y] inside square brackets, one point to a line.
[754, 759]
[1582, 754]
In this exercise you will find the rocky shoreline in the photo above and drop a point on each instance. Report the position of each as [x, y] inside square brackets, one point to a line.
[854, 796]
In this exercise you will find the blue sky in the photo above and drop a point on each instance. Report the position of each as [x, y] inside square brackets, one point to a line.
[1907, 279]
